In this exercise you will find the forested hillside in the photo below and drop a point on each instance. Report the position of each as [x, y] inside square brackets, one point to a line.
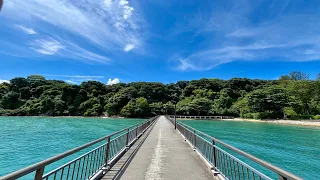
[292, 96]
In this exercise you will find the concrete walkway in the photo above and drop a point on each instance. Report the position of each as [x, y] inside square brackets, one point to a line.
[165, 155]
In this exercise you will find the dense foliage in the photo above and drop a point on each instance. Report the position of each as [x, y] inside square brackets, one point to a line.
[292, 96]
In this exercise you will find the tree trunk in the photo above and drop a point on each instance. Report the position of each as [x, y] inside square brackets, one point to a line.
[306, 108]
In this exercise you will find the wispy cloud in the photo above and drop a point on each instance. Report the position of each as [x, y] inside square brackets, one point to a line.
[185, 65]
[4, 81]
[76, 52]
[110, 23]
[63, 48]
[114, 81]
[74, 76]
[47, 47]
[108, 26]
[26, 29]
[232, 35]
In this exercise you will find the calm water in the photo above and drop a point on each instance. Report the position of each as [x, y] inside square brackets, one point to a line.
[293, 148]
[27, 140]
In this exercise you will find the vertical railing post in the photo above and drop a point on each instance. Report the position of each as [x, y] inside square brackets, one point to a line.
[137, 131]
[142, 128]
[127, 141]
[175, 116]
[184, 133]
[107, 152]
[194, 140]
[214, 156]
[39, 174]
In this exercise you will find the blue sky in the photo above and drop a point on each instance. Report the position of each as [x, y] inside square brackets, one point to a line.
[158, 40]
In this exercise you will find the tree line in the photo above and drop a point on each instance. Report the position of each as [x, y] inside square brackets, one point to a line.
[293, 96]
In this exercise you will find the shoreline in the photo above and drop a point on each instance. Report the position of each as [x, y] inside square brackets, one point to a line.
[101, 117]
[313, 123]
[310, 123]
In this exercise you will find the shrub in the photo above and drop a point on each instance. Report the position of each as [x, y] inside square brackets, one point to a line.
[261, 115]
[301, 117]
[317, 117]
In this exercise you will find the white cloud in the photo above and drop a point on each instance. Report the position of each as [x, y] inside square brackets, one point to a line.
[231, 36]
[76, 52]
[114, 81]
[128, 47]
[4, 81]
[107, 3]
[127, 10]
[26, 30]
[47, 47]
[51, 46]
[93, 20]
[123, 2]
[71, 82]
[183, 65]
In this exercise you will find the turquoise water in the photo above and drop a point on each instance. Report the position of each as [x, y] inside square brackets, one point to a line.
[293, 148]
[27, 140]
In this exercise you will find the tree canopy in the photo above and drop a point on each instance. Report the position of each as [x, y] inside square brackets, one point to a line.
[292, 96]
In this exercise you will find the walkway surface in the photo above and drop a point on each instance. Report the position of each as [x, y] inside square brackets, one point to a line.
[165, 155]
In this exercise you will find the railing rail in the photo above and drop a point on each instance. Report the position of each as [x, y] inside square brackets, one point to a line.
[90, 163]
[223, 162]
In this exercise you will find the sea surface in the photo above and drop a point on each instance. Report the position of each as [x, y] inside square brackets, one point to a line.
[27, 140]
[290, 147]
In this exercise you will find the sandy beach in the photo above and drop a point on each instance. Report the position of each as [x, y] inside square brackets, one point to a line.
[314, 123]
[282, 121]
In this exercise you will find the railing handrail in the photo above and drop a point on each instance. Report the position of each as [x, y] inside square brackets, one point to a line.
[247, 155]
[36, 166]
[196, 116]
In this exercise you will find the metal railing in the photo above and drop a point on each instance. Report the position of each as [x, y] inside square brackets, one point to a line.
[201, 117]
[223, 162]
[92, 163]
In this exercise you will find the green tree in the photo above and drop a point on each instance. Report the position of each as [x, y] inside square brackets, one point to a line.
[240, 107]
[36, 80]
[299, 76]
[183, 106]
[142, 107]
[201, 106]
[11, 100]
[318, 77]
[18, 83]
[91, 107]
[303, 91]
[169, 107]
[128, 110]
[222, 104]
[271, 99]
[157, 108]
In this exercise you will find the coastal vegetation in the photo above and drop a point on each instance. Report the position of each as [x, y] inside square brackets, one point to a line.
[292, 96]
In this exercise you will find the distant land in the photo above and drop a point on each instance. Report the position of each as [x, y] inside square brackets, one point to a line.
[293, 96]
